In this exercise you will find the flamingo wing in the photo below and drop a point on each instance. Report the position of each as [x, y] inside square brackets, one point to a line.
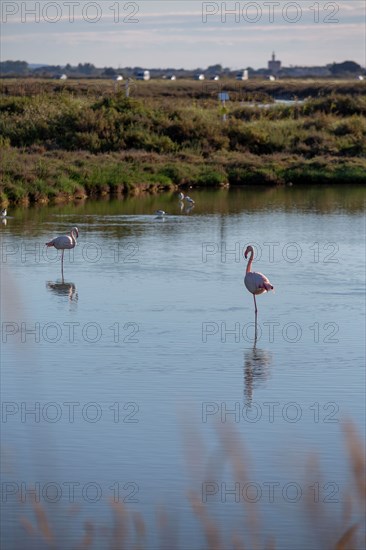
[62, 242]
[257, 283]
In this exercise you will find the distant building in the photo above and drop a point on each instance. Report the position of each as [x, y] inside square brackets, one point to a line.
[143, 75]
[63, 77]
[244, 75]
[274, 65]
[199, 77]
[118, 77]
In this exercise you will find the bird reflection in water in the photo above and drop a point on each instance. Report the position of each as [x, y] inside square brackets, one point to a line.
[63, 289]
[189, 208]
[257, 364]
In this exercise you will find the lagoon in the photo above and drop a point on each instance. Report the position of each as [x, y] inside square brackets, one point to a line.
[136, 381]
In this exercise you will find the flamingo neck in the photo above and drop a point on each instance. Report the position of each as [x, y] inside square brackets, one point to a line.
[249, 266]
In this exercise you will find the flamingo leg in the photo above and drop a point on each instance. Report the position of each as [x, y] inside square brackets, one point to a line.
[62, 264]
[256, 311]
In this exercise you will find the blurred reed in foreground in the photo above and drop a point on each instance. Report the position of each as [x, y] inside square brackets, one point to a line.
[344, 531]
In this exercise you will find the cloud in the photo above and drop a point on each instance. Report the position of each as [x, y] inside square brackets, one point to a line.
[168, 30]
[204, 35]
[108, 12]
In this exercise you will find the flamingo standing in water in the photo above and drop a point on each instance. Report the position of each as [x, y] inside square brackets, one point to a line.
[65, 242]
[256, 283]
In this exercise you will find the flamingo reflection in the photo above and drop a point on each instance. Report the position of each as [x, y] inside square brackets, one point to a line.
[63, 289]
[257, 364]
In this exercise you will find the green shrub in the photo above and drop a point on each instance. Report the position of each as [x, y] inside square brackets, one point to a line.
[211, 176]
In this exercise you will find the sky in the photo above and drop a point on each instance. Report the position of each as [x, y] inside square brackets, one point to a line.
[185, 34]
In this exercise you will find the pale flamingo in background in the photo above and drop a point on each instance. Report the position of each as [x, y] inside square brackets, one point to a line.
[181, 197]
[256, 283]
[65, 242]
[4, 213]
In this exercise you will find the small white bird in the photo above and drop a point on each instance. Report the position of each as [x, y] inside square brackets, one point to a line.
[256, 283]
[4, 213]
[65, 242]
[188, 199]
[160, 214]
[181, 197]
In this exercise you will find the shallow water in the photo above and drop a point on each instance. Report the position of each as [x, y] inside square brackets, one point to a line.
[120, 382]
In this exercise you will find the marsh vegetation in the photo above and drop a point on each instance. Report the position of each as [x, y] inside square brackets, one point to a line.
[87, 139]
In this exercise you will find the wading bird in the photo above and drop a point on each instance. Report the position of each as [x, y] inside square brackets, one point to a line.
[65, 242]
[160, 214]
[256, 283]
[181, 197]
[188, 199]
[4, 213]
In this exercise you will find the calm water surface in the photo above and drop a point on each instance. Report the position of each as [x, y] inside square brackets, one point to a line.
[136, 379]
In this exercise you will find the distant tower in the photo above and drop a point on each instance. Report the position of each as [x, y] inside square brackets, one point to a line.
[273, 65]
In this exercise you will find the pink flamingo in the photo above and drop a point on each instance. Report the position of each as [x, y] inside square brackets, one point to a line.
[256, 283]
[65, 242]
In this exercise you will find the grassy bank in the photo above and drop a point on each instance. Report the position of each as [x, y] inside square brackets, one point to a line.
[85, 139]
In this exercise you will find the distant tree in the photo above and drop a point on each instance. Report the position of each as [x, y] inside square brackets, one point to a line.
[215, 69]
[14, 67]
[86, 68]
[109, 71]
[47, 70]
[345, 67]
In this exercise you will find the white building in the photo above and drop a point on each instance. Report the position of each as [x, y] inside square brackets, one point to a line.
[143, 75]
[243, 75]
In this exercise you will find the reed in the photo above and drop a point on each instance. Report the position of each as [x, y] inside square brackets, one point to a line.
[128, 529]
